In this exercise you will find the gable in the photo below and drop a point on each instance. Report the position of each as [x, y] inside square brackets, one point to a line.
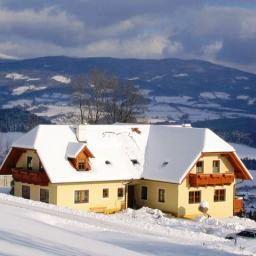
[229, 163]
[11, 159]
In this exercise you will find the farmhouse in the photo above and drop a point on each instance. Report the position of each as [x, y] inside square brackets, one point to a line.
[107, 168]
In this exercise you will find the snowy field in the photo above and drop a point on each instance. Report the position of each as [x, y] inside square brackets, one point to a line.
[245, 151]
[34, 228]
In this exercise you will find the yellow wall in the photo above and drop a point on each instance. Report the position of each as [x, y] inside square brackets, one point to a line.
[63, 195]
[171, 195]
[177, 195]
[35, 191]
[225, 165]
[22, 162]
[216, 209]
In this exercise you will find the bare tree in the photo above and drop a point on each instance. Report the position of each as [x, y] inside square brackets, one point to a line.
[5, 145]
[79, 94]
[124, 103]
[104, 97]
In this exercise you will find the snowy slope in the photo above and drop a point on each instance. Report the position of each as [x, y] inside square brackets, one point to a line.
[33, 228]
[244, 151]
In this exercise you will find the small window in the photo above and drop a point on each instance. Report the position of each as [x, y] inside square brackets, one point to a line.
[161, 195]
[219, 195]
[200, 167]
[107, 162]
[120, 192]
[144, 193]
[29, 163]
[81, 196]
[194, 197]
[165, 163]
[105, 192]
[44, 195]
[134, 161]
[25, 192]
[81, 165]
[216, 166]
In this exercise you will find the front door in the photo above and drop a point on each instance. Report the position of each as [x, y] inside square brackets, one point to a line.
[131, 197]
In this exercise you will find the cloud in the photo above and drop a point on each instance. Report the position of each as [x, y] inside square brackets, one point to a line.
[218, 31]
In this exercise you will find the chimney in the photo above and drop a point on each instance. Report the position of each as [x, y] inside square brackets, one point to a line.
[81, 132]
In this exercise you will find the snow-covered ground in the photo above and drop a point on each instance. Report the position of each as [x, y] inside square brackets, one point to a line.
[22, 89]
[61, 79]
[34, 228]
[17, 76]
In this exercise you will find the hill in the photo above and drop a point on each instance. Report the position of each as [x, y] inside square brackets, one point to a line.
[17, 120]
[175, 89]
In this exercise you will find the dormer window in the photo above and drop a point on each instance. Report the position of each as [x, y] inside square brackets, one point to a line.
[81, 165]
[79, 156]
[134, 161]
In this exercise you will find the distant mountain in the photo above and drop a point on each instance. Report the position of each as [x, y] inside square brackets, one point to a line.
[239, 130]
[188, 90]
[7, 57]
[17, 120]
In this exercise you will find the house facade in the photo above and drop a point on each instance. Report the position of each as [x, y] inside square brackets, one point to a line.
[107, 168]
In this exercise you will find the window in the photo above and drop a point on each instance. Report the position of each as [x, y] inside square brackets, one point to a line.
[44, 195]
[199, 167]
[81, 165]
[29, 162]
[194, 197]
[219, 195]
[41, 168]
[134, 161]
[120, 192]
[165, 163]
[105, 192]
[144, 193]
[161, 195]
[25, 192]
[81, 196]
[216, 166]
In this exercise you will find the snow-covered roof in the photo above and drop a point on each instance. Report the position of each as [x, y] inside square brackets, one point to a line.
[163, 153]
[74, 148]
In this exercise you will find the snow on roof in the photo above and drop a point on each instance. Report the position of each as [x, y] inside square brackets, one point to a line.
[74, 148]
[163, 153]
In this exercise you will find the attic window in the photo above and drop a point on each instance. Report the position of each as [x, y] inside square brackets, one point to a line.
[165, 163]
[107, 162]
[136, 129]
[134, 161]
[81, 165]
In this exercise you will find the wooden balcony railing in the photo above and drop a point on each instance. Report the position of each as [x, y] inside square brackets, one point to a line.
[238, 205]
[30, 177]
[215, 179]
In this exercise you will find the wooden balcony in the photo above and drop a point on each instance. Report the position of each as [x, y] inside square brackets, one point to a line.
[238, 206]
[215, 179]
[30, 177]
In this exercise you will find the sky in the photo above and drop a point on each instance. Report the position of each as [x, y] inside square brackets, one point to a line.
[220, 31]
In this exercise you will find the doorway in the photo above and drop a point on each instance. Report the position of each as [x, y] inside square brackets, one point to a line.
[131, 196]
